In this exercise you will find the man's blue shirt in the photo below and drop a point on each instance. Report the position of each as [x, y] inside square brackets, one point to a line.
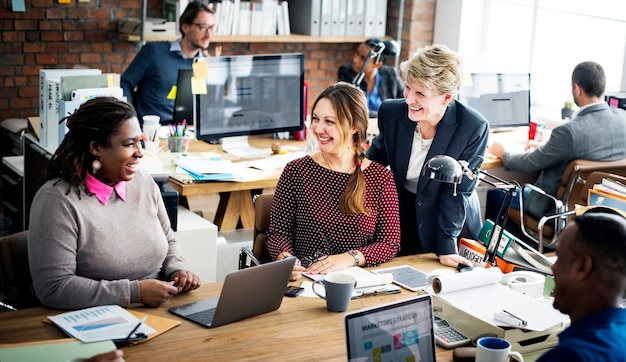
[154, 72]
[600, 336]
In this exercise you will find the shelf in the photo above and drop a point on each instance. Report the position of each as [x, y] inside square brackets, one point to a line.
[294, 38]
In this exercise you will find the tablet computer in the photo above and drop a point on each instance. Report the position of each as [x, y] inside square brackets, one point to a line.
[406, 276]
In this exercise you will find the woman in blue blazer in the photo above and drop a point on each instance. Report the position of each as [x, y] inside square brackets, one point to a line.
[428, 122]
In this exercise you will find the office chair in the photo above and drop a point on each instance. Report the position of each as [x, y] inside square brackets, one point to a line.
[15, 272]
[594, 178]
[573, 190]
[258, 254]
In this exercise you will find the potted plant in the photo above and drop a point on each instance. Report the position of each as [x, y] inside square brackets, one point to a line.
[567, 111]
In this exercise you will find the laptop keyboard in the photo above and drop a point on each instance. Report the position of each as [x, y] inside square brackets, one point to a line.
[203, 317]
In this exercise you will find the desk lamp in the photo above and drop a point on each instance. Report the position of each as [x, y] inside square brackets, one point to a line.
[446, 169]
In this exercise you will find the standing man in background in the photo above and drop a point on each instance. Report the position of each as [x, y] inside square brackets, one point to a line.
[379, 81]
[154, 71]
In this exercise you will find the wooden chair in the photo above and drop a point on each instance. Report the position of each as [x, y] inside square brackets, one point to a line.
[573, 190]
[258, 254]
[15, 272]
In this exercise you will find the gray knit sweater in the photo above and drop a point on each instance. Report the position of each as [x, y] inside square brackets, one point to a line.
[83, 253]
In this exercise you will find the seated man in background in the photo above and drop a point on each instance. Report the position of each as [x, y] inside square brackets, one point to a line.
[590, 279]
[596, 132]
[378, 81]
[154, 71]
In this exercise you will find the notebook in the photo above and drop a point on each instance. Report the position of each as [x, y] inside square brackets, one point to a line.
[245, 293]
[398, 331]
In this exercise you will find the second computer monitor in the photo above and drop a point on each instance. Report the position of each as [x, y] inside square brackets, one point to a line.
[183, 105]
[503, 98]
[251, 94]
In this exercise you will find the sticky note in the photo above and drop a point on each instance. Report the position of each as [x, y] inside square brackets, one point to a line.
[64, 1]
[200, 69]
[172, 93]
[198, 85]
[18, 6]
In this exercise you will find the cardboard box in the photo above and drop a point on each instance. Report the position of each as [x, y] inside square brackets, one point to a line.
[152, 27]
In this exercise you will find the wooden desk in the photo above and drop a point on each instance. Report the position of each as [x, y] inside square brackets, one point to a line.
[301, 329]
[235, 204]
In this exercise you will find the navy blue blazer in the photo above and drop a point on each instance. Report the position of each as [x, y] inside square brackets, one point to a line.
[462, 134]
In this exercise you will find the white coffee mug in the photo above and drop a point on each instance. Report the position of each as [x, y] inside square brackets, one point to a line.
[151, 127]
[494, 349]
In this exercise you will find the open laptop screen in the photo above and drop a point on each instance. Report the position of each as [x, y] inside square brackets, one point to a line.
[399, 331]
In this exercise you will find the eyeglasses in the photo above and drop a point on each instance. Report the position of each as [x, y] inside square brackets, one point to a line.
[205, 27]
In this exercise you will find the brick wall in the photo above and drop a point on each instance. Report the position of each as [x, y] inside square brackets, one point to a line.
[53, 35]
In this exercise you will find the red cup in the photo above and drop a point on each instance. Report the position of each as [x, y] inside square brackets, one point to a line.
[532, 130]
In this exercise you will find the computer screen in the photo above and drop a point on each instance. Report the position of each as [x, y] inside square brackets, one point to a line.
[183, 104]
[503, 98]
[251, 94]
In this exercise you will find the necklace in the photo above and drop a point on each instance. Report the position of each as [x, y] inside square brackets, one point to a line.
[331, 167]
[418, 134]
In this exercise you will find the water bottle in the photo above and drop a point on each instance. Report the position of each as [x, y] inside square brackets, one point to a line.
[541, 127]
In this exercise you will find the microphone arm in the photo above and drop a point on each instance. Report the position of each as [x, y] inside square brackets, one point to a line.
[375, 52]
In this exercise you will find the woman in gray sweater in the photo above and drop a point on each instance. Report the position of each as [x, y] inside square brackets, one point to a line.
[99, 231]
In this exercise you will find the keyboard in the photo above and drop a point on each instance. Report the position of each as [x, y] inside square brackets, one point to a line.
[203, 317]
[276, 161]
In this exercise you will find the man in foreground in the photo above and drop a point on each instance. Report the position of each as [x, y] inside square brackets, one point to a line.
[590, 279]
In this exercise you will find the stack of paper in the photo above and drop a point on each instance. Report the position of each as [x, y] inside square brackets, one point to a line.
[480, 294]
[206, 169]
[366, 282]
[107, 322]
[609, 193]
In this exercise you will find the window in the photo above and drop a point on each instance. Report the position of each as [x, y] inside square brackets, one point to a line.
[544, 37]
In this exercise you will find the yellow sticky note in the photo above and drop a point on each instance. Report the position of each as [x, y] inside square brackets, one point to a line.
[172, 93]
[200, 69]
[64, 1]
[198, 85]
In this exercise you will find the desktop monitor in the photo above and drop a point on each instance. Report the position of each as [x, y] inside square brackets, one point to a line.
[183, 104]
[503, 98]
[251, 94]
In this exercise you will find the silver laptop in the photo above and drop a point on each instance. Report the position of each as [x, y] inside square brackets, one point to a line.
[398, 331]
[245, 293]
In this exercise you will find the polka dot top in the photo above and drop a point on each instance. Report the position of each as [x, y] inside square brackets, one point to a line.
[305, 219]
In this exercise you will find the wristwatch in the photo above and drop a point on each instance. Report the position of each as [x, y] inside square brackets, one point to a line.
[355, 255]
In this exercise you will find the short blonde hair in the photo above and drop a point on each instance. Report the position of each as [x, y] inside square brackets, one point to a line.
[436, 66]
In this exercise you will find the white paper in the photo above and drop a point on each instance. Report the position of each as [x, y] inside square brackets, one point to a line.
[475, 278]
[367, 283]
[477, 294]
[364, 278]
[107, 322]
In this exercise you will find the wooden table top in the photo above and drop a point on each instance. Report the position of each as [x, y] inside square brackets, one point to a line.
[301, 329]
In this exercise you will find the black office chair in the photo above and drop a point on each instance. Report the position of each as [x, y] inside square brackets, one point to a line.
[15, 272]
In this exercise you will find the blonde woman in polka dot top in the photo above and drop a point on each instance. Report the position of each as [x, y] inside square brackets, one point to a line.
[335, 209]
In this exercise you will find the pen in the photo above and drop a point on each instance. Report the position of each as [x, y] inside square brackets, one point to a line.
[8, 306]
[134, 330]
